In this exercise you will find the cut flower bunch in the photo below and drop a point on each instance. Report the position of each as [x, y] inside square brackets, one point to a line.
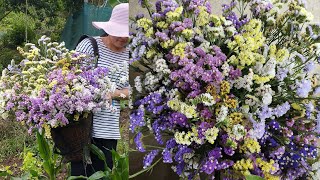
[238, 94]
[52, 86]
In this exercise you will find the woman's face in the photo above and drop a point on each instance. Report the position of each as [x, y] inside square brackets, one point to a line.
[119, 42]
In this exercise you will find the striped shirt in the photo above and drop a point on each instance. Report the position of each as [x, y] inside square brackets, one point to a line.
[105, 122]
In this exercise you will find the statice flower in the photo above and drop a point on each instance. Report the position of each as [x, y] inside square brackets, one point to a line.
[303, 88]
[148, 159]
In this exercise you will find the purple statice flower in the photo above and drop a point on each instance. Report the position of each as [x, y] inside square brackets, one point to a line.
[209, 165]
[234, 73]
[265, 113]
[259, 129]
[204, 126]
[157, 128]
[278, 153]
[310, 66]
[179, 119]
[167, 156]
[282, 109]
[228, 151]
[180, 167]
[9, 106]
[228, 7]
[303, 88]
[171, 143]
[260, 7]
[162, 36]
[200, 52]
[273, 125]
[148, 159]
[137, 119]
[187, 23]
[282, 73]
[309, 109]
[20, 115]
[215, 153]
[177, 26]
[225, 164]
[318, 122]
[206, 113]
[316, 91]
[180, 153]
[139, 16]
[61, 117]
[138, 142]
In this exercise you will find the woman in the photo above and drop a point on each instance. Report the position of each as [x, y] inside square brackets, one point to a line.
[112, 51]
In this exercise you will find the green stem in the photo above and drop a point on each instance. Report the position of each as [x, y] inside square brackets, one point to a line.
[140, 172]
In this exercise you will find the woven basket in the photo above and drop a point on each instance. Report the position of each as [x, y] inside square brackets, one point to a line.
[71, 140]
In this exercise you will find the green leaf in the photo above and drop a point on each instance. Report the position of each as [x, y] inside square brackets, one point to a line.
[97, 175]
[43, 147]
[95, 150]
[76, 177]
[253, 177]
[4, 173]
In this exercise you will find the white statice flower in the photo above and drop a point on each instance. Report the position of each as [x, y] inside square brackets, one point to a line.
[161, 90]
[183, 138]
[137, 84]
[238, 131]
[222, 114]
[225, 69]
[267, 69]
[207, 99]
[205, 45]
[91, 105]
[173, 93]
[316, 169]
[267, 99]
[245, 82]
[150, 81]
[161, 66]
[124, 79]
[252, 101]
[148, 122]
[211, 134]
[231, 30]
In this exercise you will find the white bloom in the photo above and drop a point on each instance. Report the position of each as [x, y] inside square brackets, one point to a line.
[222, 114]
[225, 69]
[238, 131]
[161, 66]
[207, 99]
[245, 82]
[267, 99]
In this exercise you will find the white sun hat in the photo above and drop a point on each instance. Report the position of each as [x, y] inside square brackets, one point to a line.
[118, 24]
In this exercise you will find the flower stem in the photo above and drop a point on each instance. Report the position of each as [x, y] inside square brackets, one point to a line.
[144, 170]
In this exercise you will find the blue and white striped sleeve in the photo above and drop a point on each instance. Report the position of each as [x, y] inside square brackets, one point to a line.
[85, 46]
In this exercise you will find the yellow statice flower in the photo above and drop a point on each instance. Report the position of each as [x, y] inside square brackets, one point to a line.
[267, 168]
[187, 33]
[202, 18]
[230, 102]
[167, 44]
[243, 165]
[235, 118]
[188, 111]
[211, 134]
[215, 19]
[151, 53]
[196, 139]
[144, 23]
[149, 32]
[47, 131]
[282, 54]
[174, 104]
[178, 50]
[162, 25]
[272, 50]
[183, 138]
[261, 79]
[174, 15]
[251, 145]
[225, 88]
[212, 91]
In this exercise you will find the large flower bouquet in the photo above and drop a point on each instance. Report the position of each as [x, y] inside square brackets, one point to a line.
[238, 94]
[53, 87]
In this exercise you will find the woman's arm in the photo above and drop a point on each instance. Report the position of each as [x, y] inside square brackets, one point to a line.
[120, 94]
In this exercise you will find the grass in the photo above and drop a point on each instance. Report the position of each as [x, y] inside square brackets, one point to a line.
[13, 136]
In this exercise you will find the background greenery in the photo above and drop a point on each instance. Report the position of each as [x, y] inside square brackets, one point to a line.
[24, 21]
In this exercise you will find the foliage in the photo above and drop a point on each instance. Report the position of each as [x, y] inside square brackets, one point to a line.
[237, 93]
[120, 170]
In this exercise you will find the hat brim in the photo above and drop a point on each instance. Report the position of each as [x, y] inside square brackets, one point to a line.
[113, 29]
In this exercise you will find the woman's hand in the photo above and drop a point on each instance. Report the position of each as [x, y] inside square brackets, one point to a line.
[120, 94]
